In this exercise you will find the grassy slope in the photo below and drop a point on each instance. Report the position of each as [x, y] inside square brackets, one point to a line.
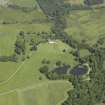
[7, 41]
[84, 53]
[86, 25]
[6, 69]
[74, 1]
[9, 32]
[100, 104]
[16, 28]
[11, 15]
[45, 93]
[9, 99]
[26, 3]
[7, 15]
[78, 2]
[8, 35]
[29, 73]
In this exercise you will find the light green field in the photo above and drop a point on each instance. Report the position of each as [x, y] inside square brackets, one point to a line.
[100, 104]
[74, 1]
[9, 32]
[9, 99]
[84, 53]
[43, 93]
[7, 44]
[54, 52]
[8, 35]
[86, 25]
[26, 3]
[7, 15]
[28, 73]
[47, 94]
[6, 69]
[24, 78]
[78, 2]
[15, 28]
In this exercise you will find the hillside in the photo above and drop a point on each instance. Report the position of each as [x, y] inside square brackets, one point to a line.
[52, 52]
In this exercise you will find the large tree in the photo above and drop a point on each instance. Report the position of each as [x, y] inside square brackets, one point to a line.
[93, 2]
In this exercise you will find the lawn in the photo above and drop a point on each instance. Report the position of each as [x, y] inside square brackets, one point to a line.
[29, 74]
[9, 99]
[43, 93]
[74, 1]
[52, 93]
[84, 53]
[7, 15]
[86, 25]
[6, 69]
[16, 28]
[27, 79]
[9, 32]
[24, 3]
[8, 35]
[7, 41]
[100, 104]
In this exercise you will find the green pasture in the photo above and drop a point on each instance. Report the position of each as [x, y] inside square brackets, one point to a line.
[84, 53]
[6, 69]
[9, 32]
[27, 78]
[9, 99]
[10, 15]
[47, 94]
[28, 73]
[43, 93]
[86, 25]
[7, 41]
[100, 104]
[24, 3]
[15, 28]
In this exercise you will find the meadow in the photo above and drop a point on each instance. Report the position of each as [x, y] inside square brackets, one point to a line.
[21, 83]
[28, 76]
[86, 25]
[20, 12]
[25, 3]
[44, 93]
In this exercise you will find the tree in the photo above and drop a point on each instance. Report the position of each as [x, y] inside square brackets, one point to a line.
[44, 69]
[20, 47]
[93, 2]
[58, 63]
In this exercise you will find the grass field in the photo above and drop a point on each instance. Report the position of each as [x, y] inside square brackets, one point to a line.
[45, 93]
[7, 15]
[84, 53]
[78, 2]
[28, 75]
[22, 83]
[9, 32]
[74, 1]
[86, 25]
[6, 69]
[8, 35]
[26, 3]
[100, 104]
[7, 43]
[9, 99]
[16, 28]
